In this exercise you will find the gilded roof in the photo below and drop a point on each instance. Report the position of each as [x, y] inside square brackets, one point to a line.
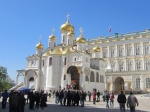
[67, 27]
[80, 39]
[39, 46]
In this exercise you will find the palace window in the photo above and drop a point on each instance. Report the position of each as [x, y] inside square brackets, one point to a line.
[138, 83]
[146, 49]
[92, 78]
[120, 52]
[147, 65]
[86, 59]
[63, 39]
[65, 61]
[112, 52]
[113, 66]
[137, 50]
[97, 77]
[147, 82]
[129, 66]
[138, 65]
[54, 44]
[128, 51]
[104, 54]
[120, 66]
[50, 61]
[102, 79]
[86, 78]
[75, 59]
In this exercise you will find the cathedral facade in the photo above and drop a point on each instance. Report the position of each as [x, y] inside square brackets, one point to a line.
[119, 62]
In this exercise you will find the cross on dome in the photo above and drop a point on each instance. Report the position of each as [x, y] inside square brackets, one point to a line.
[81, 30]
[68, 15]
[53, 31]
[40, 38]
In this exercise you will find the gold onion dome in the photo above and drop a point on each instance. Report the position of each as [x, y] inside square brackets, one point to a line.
[39, 46]
[70, 34]
[80, 39]
[96, 49]
[67, 27]
[52, 37]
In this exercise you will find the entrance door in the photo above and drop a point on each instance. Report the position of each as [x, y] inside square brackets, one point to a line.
[119, 84]
[73, 70]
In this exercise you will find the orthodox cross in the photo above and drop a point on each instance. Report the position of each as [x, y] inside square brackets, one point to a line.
[68, 17]
[40, 38]
[53, 31]
[81, 30]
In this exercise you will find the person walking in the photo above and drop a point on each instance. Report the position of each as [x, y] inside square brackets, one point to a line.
[132, 102]
[94, 96]
[89, 95]
[107, 99]
[121, 100]
[98, 96]
[112, 100]
[4, 100]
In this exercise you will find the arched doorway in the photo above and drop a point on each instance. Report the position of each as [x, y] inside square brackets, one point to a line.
[119, 84]
[73, 71]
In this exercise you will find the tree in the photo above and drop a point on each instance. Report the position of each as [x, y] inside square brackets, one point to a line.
[5, 81]
[3, 73]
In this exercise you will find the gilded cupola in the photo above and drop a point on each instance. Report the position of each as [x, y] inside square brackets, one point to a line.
[39, 46]
[80, 39]
[52, 36]
[70, 34]
[96, 49]
[67, 26]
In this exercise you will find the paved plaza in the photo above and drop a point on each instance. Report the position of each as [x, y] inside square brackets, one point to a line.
[144, 106]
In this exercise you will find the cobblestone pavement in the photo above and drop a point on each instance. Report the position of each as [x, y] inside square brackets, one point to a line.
[144, 106]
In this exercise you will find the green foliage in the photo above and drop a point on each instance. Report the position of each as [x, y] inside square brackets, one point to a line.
[5, 81]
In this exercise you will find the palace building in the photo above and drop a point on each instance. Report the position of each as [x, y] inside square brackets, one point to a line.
[119, 62]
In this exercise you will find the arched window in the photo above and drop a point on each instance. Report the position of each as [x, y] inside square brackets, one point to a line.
[92, 78]
[43, 63]
[102, 79]
[75, 59]
[147, 82]
[50, 61]
[64, 77]
[97, 77]
[138, 83]
[31, 79]
[86, 78]
[65, 61]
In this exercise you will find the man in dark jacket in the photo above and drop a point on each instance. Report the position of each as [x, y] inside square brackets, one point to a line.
[4, 100]
[122, 100]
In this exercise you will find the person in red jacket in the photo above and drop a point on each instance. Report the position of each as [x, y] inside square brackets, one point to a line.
[94, 96]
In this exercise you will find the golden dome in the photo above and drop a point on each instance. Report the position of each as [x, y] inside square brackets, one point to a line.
[47, 53]
[39, 46]
[52, 37]
[96, 49]
[70, 34]
[67, 27]
[80, 39]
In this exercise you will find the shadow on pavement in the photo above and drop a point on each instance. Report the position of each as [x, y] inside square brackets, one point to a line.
[58, 108]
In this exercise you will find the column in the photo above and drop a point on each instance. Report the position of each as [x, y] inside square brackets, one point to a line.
[108, 51]
[133, 82]
[124, 51]
[133, 50]
[112, 87]
[125, 64]
[133, 64]
[143, 65]
[116, 47]
[142, 83]
[141, 46]
[117, 64]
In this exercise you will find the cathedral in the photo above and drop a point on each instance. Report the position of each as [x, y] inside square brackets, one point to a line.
[113, 63]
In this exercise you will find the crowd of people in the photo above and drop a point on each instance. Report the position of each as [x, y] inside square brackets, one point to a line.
[68, 97]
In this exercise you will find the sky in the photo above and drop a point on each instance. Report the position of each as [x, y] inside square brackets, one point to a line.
[23, 21]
